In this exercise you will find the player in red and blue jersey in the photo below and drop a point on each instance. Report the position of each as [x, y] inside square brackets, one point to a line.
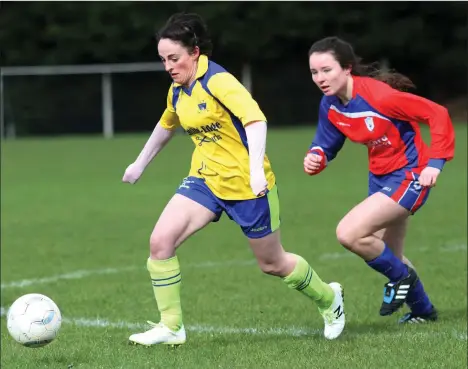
[373, 110]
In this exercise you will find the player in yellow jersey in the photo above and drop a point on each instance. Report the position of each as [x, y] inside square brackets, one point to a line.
[229, 173]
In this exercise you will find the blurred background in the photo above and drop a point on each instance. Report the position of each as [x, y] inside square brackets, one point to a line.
[264, 44]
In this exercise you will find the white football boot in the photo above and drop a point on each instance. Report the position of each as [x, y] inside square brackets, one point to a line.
[159, 334]
[334, 316]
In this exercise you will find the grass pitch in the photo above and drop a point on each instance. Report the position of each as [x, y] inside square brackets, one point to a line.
[71, 230]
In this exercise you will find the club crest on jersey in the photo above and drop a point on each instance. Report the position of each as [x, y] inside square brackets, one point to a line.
[369, 123]
[202, 106]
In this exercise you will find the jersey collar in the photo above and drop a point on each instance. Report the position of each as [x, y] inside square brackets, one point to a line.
[356, 80]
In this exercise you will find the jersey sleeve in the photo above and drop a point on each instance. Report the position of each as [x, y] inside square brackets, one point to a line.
[169, 119]
[327, 137]
[408, 107]
[235, 97]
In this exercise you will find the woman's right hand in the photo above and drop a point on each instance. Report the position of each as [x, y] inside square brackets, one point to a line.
[313, 163]
[133, 173]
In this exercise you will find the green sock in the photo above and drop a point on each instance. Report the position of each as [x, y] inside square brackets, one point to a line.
[165, 276]
[304, 279]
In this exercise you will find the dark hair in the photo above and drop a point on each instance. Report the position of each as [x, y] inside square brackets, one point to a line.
[188, 29]
[345, 56]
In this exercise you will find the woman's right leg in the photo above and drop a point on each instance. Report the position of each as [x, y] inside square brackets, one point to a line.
[181, 218]
[356, 232]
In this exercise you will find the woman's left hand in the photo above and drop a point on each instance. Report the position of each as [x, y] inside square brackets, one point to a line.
[428, 177]
[258, 183]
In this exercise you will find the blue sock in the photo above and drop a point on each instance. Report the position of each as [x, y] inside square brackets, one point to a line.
[418, 301]
[389, 265]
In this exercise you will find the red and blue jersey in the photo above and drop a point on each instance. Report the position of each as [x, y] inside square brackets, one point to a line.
[386, 121]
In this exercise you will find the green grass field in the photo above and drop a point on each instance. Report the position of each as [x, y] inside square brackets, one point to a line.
[73, 231]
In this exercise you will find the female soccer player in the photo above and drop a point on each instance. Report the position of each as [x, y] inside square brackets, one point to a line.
[229, 173]
[402, 168]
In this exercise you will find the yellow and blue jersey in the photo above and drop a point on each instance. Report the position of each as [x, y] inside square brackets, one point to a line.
[213, 112]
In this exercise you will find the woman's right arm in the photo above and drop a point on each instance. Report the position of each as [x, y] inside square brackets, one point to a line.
[158, 139]
[326, 144]
[161, 135]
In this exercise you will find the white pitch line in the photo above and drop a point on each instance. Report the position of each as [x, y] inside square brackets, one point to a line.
[454, 248]
[215, 264]
[198, 328]
[460, 335]
[73, 275]
[347, 254]
[79, 274]
[278, 331]
[336, 255]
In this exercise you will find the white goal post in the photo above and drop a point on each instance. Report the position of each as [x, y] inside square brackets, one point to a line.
[105, 70]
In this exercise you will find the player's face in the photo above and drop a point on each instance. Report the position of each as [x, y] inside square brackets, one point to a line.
[178, 62]
[327, 73]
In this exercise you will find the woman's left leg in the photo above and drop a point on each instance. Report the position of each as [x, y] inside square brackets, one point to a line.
[296, 272]
[422, 310]
[260, 221]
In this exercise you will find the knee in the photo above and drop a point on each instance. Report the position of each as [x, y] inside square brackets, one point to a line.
[281, 266]
[270, 255]
[346, 236]
[271, 267]
[162, 246]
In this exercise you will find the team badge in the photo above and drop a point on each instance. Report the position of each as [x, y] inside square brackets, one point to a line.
[202, 106]
[369, 123]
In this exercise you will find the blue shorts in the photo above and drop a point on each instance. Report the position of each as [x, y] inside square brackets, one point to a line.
[257, 217]
[402, 186]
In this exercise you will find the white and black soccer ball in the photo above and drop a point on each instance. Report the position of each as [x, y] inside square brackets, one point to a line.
[34, 320]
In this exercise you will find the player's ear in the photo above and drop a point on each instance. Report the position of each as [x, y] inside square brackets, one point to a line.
[196, 52]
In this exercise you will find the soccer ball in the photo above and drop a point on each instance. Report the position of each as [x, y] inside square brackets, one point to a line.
[34, 320]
